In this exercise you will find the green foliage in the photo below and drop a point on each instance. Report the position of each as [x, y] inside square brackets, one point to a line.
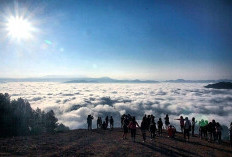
[61, 128]
[18, 118]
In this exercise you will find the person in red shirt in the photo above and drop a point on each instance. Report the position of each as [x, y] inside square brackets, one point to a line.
[171, 131]
[132, 125]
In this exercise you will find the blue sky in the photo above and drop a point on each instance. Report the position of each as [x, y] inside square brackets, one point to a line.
[120, 39]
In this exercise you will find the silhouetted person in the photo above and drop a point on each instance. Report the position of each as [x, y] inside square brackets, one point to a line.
[129, 117]
[160, 126]
[203, 128]
[107, 121]
[125, 127]
[148, 121]
[89, 121]
[99, 122]
[144, 128]
[187, 127]
[122, 119]
[111, 122]
[181, 119]
[104, 126]
[145, 116]
[166, 121]
[132, 126]
[218, 132]
[152, 128]
[230, 134]
[214, 129]
[209, 128]
[193, 125]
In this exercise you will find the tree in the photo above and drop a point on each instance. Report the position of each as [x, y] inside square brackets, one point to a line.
[18, 118]
[51, 121]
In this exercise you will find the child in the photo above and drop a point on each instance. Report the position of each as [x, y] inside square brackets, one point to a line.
[171, 131]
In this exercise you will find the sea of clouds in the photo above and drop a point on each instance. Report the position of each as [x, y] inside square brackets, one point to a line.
[73, 102]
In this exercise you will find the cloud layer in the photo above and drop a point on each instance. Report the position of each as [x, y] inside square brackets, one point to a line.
[73, 102]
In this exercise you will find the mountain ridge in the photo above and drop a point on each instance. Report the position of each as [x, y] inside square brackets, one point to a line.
[103, 80]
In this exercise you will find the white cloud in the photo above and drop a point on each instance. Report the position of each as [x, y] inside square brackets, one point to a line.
[73, 102]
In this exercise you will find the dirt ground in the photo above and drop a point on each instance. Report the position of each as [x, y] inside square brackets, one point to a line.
[109, 143]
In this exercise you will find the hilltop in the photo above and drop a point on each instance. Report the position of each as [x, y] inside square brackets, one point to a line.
[108, 143]
[220, 85]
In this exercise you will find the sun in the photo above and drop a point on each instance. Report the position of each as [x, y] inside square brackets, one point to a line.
[19, 28]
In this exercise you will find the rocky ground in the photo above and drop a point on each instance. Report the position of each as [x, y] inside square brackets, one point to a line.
[109, 143]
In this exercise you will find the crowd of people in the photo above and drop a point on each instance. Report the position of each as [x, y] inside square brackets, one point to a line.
[148, 124]
[100, 124]
[212, 131]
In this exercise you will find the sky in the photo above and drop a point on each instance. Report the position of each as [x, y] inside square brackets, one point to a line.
[158, 40]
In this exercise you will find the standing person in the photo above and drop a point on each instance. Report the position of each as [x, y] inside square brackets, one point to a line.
[187, 127]
[122, 119]
[166, 121]
[148, 122]
[218, 132]
[203, 128]
[193, 126]
[152, 128]
[107, 121]
[89, 121]
[144, 128]
[214, 130]
[98, 123]
[209, 129]
[160, 126]
[132, 126]
[111, 122]
[231, 134]
[125, 127]
[181, 119]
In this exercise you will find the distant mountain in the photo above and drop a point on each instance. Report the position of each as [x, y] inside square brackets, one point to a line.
[108, 80]
[197, 81]
[42, 79]
[220, 85]
[70, 79]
